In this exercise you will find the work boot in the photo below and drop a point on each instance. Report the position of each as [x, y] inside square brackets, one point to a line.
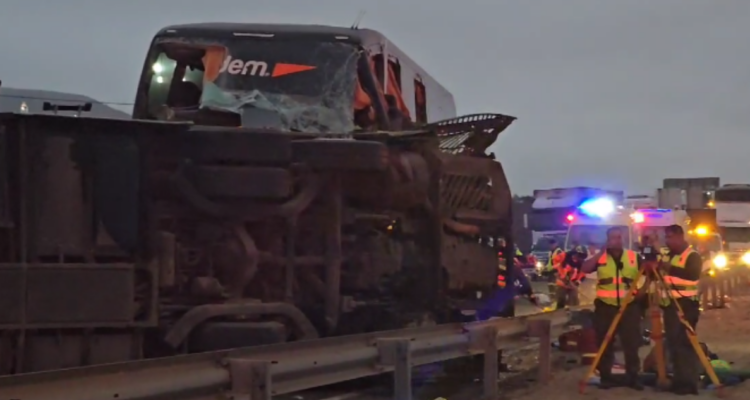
[608, 382]
[634, 383]
[683, 389]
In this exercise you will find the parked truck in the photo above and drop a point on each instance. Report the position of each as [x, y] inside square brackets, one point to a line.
[732, 203]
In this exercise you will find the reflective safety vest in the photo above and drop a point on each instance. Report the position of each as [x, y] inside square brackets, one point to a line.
[501, 281]
[566, 275]
[501, 276]
[613, 284]
[553, 255]
[680, 287]
[721, 366]
[518, 253]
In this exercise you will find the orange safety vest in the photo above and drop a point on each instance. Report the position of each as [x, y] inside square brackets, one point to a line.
[501, 275]
[565, 275]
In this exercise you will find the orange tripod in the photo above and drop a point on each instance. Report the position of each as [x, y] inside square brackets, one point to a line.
[655, 286]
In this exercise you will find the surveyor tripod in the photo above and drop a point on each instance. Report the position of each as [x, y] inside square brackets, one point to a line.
[656, 289]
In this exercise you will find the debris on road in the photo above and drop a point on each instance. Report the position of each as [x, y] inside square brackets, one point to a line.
[729, 341]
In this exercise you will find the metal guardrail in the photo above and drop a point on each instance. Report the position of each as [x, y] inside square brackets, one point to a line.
[258, 373]
[716, 290]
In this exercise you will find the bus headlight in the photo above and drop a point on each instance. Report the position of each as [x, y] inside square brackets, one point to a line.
[746, 258]
[539, 265]
[720, 261]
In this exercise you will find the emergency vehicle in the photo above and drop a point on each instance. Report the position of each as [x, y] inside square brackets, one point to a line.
[588, 226]
[654, 220]
[547, 219]
[711, 247]
[708, 243]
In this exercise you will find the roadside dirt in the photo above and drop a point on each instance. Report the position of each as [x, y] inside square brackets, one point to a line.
[726, 331]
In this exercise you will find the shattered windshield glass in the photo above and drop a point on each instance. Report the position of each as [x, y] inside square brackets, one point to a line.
[294, 85]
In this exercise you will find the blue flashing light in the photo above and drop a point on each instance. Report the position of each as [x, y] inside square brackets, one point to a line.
[658, 210]
[600, 207]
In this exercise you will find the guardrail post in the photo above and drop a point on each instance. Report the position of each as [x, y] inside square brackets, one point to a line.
[484, 340]
[542, 329]
[251, 379]
[396, 352]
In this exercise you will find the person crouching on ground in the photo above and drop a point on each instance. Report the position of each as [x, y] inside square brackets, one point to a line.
[569, 277]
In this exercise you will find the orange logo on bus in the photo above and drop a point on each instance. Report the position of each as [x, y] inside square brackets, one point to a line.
[235, 66]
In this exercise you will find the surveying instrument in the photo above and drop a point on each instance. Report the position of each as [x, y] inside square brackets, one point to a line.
[656, 289]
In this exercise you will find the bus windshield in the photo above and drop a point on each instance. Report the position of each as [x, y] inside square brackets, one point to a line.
[732, 195]
[738, 235]
[295, 85]
[594, 236]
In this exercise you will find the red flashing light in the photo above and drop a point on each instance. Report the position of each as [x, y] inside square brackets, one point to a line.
[570, 217]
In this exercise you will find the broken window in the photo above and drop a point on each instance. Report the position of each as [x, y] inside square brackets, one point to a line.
[392, 84]
[420, 101]
[296, 85]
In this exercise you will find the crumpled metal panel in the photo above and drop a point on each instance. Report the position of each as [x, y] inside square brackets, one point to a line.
[470, 134]
[474, 195]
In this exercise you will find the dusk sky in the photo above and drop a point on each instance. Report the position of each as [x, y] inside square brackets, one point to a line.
[619, 94]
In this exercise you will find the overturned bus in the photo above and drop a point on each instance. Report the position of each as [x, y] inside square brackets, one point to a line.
[279, 198]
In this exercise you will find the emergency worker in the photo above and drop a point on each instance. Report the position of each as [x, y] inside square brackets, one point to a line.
[518, 256]
[682, 270]
[517, 284]
[554, 256]
[569, 277]
[617, 270]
